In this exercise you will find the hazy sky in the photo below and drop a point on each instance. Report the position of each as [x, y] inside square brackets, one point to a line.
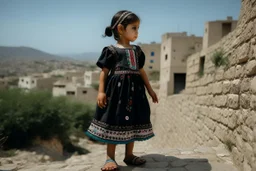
[76, 26]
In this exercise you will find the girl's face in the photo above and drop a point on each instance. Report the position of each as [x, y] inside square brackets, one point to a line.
[131, 31]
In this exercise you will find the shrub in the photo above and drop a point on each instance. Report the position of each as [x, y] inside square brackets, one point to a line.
[219, 59]
[25, 115]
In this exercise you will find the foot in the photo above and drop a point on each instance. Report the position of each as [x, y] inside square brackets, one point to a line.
[134, 160]
[109, 165]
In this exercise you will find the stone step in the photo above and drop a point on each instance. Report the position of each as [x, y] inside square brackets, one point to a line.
[158, 159]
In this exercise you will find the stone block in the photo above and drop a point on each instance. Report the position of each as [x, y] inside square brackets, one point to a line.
[233, 101]
[243, 53]
[220, 101]
[253, 102]
[245, 101]
[226, 87]
[219, 74]
[253, 85]
[251, 68]
[251, 120]
[217, 88]
[239, 71]
[235, 87]
[245, 85]
[252, 54]
[230, 73]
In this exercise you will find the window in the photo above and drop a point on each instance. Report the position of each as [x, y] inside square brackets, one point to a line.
[33, 82]
[226, 28]
[152, 53]
[166, 57]
[84, 92]
[150, 67]
[201, 66]
[151, 61]
[70, 93]
[60, 86]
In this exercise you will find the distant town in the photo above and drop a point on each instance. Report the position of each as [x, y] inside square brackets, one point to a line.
[165, 61]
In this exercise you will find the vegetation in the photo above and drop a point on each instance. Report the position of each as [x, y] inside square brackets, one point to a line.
[26, 115]
[228, 145]
[200, 73]
[219, 59]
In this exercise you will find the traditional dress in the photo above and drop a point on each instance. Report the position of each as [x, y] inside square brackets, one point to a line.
[126, 117]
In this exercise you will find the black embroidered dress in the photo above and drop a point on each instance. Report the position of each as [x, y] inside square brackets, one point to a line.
[126, 117]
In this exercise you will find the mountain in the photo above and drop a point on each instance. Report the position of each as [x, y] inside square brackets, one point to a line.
[26, 53]
[87, 56]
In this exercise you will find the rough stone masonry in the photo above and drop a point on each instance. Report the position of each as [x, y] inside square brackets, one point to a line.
[218, 107]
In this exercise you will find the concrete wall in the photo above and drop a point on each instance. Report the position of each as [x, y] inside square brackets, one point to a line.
[27, 82]
[87, 95]
[91, 77]
[219, 107]
[45, 83]
[148, 49]
[175, 49]
[214, 31]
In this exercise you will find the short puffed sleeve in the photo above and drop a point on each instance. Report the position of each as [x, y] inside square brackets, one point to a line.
[141, 57]
[106, 59]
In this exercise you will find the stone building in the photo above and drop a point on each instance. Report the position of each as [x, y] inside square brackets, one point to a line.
[152, 53]
[214, 31]
[76, 77]
[175, 49]
[36, 82]
[74, 91]
[3, 83]
[218, 107]
[91, 77]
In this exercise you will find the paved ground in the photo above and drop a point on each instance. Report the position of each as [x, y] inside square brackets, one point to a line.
[198, 159]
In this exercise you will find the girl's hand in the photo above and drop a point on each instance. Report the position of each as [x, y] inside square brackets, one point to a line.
[102, 100]
[154, 96]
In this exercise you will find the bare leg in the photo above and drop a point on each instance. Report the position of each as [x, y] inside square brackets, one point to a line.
[111, 149]
[129, 149]
[129, 154]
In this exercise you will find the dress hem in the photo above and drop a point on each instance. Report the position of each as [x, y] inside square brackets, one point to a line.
[116, 142]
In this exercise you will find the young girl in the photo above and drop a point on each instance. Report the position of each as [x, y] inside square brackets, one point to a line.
[123, 112]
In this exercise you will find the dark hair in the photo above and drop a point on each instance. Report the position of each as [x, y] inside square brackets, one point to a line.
[128, 20]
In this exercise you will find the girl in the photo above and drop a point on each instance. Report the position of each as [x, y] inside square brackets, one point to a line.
[123, 112]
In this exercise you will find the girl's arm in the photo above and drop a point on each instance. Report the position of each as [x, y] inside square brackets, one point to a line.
[101, 99]
[145, 79]
[103, 77]
[148, 86]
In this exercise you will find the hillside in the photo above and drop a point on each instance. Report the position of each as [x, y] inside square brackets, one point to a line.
[26, 53]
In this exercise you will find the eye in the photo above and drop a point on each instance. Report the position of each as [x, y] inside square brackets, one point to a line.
[134, 28]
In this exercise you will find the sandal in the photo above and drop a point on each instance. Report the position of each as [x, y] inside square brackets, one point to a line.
[110, 161]
[135, 161]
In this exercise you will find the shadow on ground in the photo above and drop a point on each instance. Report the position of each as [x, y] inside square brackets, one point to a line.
[157, 162]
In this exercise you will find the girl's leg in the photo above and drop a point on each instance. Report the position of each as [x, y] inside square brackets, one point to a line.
[129, 154]
[111, 149]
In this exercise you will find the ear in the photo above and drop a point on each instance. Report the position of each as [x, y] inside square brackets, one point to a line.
[120, 28]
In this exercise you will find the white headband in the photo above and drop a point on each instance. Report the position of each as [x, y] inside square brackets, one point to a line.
[121, 18]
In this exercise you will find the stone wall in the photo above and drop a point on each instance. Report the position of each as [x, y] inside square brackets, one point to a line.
[218, 107]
